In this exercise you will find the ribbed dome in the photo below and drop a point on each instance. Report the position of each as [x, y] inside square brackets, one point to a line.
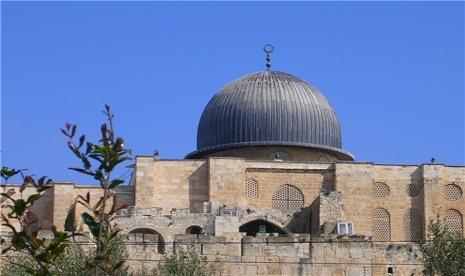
[269, 108]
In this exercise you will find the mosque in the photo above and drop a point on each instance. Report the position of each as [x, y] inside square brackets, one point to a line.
[270, 177]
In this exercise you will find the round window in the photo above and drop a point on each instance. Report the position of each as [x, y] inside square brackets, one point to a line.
[380, 190]
[452, 192]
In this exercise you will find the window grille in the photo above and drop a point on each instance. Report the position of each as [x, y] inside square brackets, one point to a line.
[452, 192]
[454, 221]
[381, 230]
[251, 188]
[327, 186]
[279, 155]
[288, 198]
[413, 225]
[412, 190]
[380, 190]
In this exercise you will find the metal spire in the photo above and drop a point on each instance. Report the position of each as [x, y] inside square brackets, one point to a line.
[268, 48]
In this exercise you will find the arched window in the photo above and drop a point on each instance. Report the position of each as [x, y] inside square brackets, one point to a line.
[251, 188]
[381, 230]
[146, 236]
[454, 221]
[288, 199]
[194, 229]
[413, 225]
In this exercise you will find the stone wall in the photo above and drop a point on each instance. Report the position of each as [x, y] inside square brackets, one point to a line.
[290, 255]
[418, 187]
[308, 181]
[331, 211]
[435, 179]
[171, 183]
[169, 196]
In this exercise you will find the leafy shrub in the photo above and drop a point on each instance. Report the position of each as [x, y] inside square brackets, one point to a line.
[443, 251]
[186, 263]
[73, 262]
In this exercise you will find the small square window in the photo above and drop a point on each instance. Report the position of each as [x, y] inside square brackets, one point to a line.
[345, 228]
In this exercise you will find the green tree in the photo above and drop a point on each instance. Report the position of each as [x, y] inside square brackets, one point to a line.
[25, 241]
[99, 160]
[443, 250]
[42, 256]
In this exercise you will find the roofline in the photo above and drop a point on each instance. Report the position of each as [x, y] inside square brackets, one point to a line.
[339, 153]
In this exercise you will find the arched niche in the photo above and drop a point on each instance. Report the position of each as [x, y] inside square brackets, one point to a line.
[147, 236]
[260, 226]
[194, 229]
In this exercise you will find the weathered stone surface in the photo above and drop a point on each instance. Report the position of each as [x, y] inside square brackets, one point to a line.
[169, 196]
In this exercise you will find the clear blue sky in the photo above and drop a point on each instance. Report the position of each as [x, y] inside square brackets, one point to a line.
[393, 71]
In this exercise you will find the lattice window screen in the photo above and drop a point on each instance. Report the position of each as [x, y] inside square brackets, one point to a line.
[413, 225]
[412, 190]
[381, 230]
[380, 190]
[452, 192]
[279, 155]
[327, 186]
[454, 221]
[288, 198]
[251, 188]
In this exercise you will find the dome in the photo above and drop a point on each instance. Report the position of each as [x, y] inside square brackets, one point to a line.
[269, 108]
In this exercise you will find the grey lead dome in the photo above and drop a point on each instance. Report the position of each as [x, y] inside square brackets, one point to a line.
[269, 108]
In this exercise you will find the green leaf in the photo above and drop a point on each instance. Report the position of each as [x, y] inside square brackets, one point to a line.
[118, 265]
[89, 147]
[17, 242]
[41, 181]
[43, 188]
[19, 207]
[81, 140]
[44, 257]
[73, 130]
[85, 163]
[115, 183]
[84, 171]
[31, 199]
[7, 173]
[91, 223]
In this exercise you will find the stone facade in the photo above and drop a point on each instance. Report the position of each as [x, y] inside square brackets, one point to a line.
[170, 198]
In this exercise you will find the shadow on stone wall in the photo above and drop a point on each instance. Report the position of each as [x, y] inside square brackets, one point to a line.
[198, 188]
[307, 220]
